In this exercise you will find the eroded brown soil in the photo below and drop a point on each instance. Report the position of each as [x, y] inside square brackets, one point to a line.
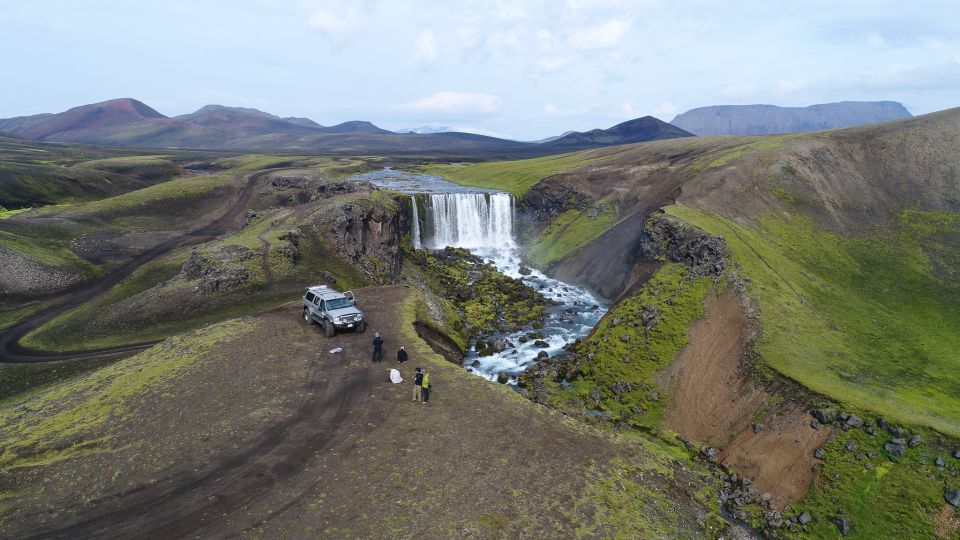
[714, 403]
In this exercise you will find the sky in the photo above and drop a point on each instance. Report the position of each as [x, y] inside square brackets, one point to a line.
[524, 69]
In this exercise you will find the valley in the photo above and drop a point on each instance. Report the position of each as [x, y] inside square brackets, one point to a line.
[756, 336]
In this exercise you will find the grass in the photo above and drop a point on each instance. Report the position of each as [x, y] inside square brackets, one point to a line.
[869, 321]
[618, 361]
[59, 421]
[178, 196]
[517, 176]
[893, 498]
[144, 167]
[46, 244]
[567, 233]
[4, 213]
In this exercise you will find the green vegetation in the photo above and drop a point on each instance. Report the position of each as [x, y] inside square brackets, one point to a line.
[486, 300]
[59, 421]
[4, 213]
[570, 231]
[870, 321]
[143, 207]
[19, 381]
[143, 167]
[49, 245]
[615, 365]
[883, 496]
[755, 144]
[336, 167]
[514, 176]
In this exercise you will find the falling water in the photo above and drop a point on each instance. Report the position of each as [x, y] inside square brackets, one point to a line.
[416, 224]
[469, 220]
[482, 221]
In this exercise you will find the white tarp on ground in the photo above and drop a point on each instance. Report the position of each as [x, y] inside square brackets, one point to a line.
[395, 377]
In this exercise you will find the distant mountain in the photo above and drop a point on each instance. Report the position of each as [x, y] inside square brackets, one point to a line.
[637, 130]
[244, 122]
[553, 138]
[356, 126]
[423, 130]
[770, 119]
[130, 123]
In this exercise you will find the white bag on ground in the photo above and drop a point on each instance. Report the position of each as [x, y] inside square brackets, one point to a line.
[395, 377]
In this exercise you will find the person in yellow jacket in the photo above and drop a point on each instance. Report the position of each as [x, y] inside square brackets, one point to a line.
[425, 386]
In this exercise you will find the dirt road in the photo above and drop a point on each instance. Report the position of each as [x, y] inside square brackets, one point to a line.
[10, 350]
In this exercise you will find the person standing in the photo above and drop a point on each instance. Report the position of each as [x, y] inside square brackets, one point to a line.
[377, 347]
[402, 355]
[417, 384]
[425, 386]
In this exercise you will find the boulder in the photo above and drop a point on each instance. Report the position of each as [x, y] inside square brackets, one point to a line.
[819, 453]
[843, 525]
[939, 462]
[542, 355]
[502, 378]
[541, 343]
[895, 448]
[851, 446]
[805, 518]
[896, 431]
[915, 441]
[475, 363]
[956, 454]
[854, 421]
[953, 497]
[525, 270]
[824, 416]
[843, 417]
[625, 338]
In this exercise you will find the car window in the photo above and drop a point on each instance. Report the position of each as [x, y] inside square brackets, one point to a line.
[310, 297]
[338, 303]
[321, 306]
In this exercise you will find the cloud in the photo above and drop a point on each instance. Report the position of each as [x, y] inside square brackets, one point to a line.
[338, 27]
[549, 108]
[628, 109]
[480, 131]
[456, 103]
[602, 36]
[424, 49]
[666, 111]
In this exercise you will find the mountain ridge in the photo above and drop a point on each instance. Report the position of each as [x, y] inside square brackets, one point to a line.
[762, 119]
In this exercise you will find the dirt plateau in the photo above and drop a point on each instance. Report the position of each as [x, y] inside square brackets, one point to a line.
[716, 403]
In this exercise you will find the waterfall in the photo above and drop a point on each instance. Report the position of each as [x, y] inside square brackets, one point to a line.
[467, 220]
[416, 224]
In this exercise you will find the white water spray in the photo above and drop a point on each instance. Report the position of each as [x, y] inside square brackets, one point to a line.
[416, 224]
[468, 220]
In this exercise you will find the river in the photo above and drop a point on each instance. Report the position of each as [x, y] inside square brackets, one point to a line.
[482, 221]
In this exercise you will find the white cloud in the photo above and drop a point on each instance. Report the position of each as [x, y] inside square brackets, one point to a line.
[480, 131]
[628, 109]
[338, 27]
[424, 49]
[666, 111]
[456, 103]
[602, 36]
[550, 64]
[508, 11]
[549, 108]
[876, 40]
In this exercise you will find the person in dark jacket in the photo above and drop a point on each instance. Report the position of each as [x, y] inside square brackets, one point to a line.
[417, 381]
[402, 355]
[377, 348]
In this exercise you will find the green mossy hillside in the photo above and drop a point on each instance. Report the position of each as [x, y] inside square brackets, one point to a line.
[570, 231]
[517, 177]
[883, 496]
[612, 370]
[870, 321]
[57, 423]
[486, 300]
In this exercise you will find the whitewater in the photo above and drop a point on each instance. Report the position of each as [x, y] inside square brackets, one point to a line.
[482, 221]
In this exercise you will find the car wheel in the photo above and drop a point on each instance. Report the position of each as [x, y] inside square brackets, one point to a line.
[329, 329]
[306, 316]
[362, 327]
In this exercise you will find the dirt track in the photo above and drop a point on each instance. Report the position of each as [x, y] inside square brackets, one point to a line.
[10, 350]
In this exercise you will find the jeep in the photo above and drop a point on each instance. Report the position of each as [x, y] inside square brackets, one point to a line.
[333, 309]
